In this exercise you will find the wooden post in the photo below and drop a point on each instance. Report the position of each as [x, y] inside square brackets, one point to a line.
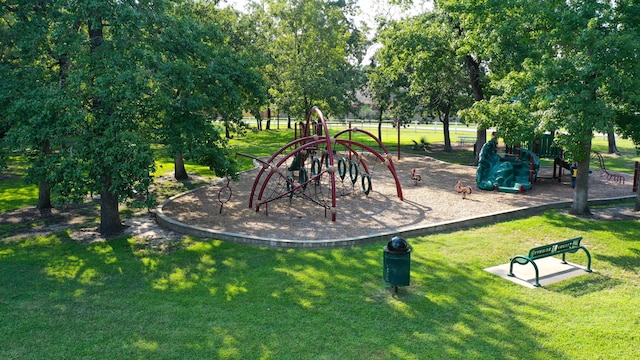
[531, 167]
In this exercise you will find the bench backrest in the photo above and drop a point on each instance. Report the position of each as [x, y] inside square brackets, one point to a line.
[555, 248]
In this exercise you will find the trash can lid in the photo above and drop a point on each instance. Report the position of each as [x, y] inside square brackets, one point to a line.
[397, 244]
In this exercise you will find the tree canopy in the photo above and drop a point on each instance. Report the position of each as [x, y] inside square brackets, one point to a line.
[418, 69]
[91, 84]
[566, 67]
[575, 82]
[314, 50]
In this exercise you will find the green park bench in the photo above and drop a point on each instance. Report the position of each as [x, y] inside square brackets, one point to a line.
[466, 140]
[562, 247]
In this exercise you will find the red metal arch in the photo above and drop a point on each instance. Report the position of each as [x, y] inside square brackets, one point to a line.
[315, 140]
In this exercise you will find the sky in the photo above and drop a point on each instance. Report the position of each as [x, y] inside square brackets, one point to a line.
[369, 9]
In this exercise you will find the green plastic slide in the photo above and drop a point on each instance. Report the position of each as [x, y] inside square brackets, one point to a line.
[513, 175]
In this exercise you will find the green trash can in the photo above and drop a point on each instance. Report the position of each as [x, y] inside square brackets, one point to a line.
[396, 262]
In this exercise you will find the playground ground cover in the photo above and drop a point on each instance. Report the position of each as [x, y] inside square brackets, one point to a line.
[426, 204]
[198, 298]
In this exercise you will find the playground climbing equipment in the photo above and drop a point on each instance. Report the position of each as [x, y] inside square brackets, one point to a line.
[508, 174]
[603, 169]
[224, 194]
[318, 167]
[544, 147]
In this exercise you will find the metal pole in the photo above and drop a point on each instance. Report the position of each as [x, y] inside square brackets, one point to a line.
[398, 126]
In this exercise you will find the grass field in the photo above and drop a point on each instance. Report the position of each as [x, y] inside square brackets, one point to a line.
[207, 299]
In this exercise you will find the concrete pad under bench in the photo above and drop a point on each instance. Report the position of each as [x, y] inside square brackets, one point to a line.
[552, 270]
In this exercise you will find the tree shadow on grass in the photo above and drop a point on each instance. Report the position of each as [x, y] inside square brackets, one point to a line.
[208, 296]
[628, 262]
[624, 229]
[584, 285]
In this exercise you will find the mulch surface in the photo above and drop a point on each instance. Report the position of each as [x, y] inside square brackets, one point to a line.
[429, 201]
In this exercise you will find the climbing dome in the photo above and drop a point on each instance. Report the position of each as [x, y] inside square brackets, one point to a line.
[321, 168]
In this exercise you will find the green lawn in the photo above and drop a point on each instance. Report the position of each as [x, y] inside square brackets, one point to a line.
[207, 299]
[14, 191]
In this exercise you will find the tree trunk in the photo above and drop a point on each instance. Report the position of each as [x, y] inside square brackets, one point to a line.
[611, 136]
[447, 137]
[268, 127]
[380, 124]
[580, 204]
[180, 171]
[636, 207]
[110, 223]
[288, 121]
[44, 198]
[473, 67]
[44, 193]
[444, 119]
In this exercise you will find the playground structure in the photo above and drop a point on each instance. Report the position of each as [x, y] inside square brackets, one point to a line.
[513, 174]
[495, 172]
[603, 169]
[543, 147]
[521, 156]
[315, 166]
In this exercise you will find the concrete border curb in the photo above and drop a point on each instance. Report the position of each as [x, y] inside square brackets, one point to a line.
[407, 232]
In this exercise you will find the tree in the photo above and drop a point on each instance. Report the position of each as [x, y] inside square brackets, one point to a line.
[78, 97]
[39, 107]
[90, 82]
[388, 76]
[419, 52]
[115, 157]
[199, 76]
[627, 94]
[315, 49]
[494, 38]
[628, 121]
[611, 140]
[578, 80]
[380, 88]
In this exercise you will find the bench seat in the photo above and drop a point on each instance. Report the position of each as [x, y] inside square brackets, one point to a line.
[466, 140]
